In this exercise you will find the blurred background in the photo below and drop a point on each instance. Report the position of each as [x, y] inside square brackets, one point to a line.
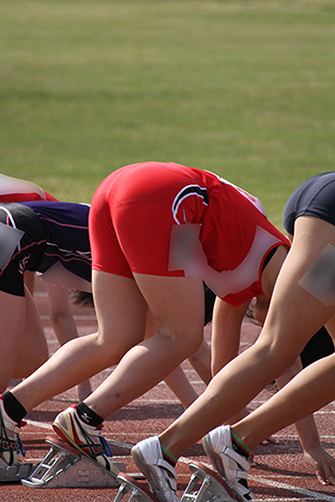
[240, 87]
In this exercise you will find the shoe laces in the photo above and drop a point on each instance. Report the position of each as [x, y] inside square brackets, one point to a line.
[103, 442]
[20, 448]
[106, 447]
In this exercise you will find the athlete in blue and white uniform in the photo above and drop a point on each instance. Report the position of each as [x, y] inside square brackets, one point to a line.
[60, 313]
[49, 238]
[54, 234]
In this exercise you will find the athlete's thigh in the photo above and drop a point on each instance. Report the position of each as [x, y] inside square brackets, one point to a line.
[295, 314]
[120, 308]
[177, 303]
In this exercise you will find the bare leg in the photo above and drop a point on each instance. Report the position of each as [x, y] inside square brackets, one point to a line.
[201, 362]
[29, 280]
[177, 306]
[122, 326]
[285, 332]
[181, 387]
[311, 389]
[23, 345]
[176, 380]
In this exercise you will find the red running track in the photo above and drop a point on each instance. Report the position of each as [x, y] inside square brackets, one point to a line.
[280, 472]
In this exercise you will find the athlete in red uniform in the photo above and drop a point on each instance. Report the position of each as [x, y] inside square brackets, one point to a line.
[135, 210]
[157, 231]
[302, 302]
[18, 190]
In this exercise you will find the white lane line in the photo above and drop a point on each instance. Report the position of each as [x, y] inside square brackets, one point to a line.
[295, 436]
[75, 317]
[117, 458]
[283, 500]
[122, 444]
[42, 425]
[308, 494]
[311, 494]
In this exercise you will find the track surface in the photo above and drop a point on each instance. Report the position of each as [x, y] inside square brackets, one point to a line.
[280, 473]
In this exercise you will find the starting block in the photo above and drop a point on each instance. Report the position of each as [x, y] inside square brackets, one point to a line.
[213, 488]
[205, 486]
[133, 491]
[15, 473]
[66, 467]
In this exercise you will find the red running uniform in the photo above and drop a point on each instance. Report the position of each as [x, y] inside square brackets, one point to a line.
[136, 209]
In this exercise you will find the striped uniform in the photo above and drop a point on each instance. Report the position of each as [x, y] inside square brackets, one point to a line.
[55, 243]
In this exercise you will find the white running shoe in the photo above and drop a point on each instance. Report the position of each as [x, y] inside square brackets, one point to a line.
[227, 462]
[10, 442]
[161, 476]
[85, 438]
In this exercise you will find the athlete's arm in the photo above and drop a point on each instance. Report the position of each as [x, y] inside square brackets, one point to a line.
[226, 333]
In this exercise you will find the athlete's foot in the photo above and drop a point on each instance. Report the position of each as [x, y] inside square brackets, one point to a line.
[85, 438]
[227, 462]
[10, 442]
[161, 476]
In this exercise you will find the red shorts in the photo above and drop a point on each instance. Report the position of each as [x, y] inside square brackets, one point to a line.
[131, 218]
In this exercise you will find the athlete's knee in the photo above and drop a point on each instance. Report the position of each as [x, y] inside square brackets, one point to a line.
[190, 342]
[113, 348]
[274, 356]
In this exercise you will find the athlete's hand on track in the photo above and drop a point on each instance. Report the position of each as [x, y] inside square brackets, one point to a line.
[323, 464]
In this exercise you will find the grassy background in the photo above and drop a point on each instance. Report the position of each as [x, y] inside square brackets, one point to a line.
[242, 88]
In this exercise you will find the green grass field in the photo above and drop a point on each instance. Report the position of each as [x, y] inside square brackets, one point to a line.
[243, 88]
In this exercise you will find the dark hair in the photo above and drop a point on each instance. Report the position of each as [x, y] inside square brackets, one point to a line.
[82, 298]
[250, 315]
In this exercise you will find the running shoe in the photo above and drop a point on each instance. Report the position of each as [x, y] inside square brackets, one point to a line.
[85, 438]
[161, 476]
[10, 442]
[227, 462]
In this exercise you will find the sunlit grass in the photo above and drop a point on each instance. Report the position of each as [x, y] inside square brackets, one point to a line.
[243, 88]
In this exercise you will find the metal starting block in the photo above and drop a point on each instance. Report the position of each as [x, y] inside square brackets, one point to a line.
[66, 467]
[204, 486]
[133, 491]
[15, 473]
[213, 488]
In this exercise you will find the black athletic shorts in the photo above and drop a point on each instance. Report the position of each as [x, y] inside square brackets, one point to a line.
[319, 346]
[29, 251]
[315, 197]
